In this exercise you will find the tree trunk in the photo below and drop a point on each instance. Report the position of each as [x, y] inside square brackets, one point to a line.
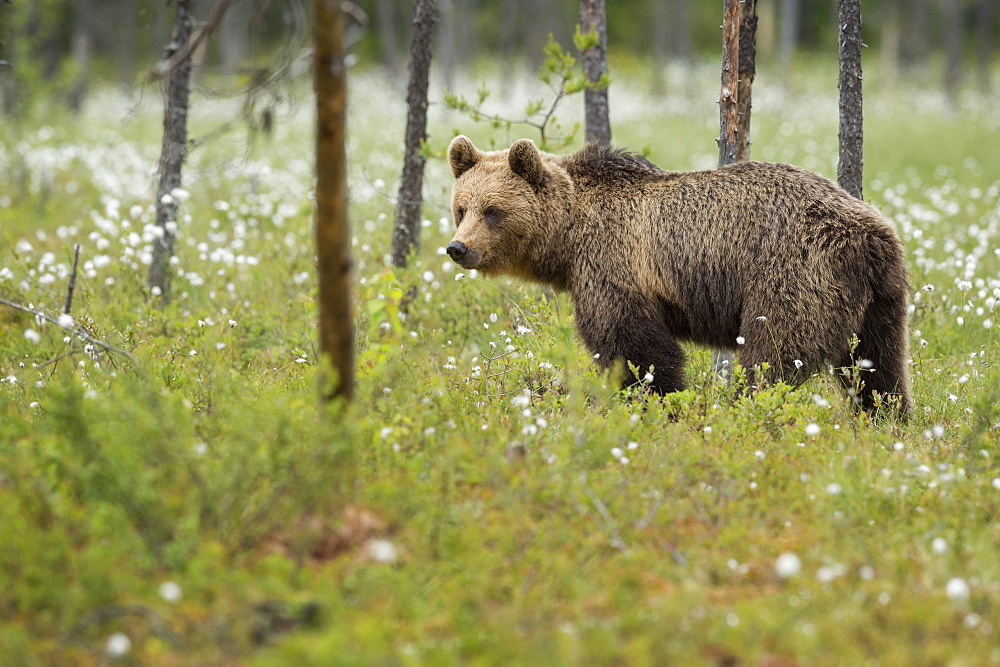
[788, 37]
[447, 41]
[729, 120]
[234, 37]
[388, 36]
[747, 72]
[728, 107]
[333, 266]
[851, 135]
[952, 48]
[83, 41]
[594, 60]
[128, 17]
[173, 152]
[985, 12]
[406, 231]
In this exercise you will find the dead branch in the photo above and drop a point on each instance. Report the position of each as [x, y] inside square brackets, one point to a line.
[76, 330]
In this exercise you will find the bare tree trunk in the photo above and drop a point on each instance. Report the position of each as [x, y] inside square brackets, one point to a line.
[406, 231]
[234, 37]
[333, 267]
[952, 48]
[173, 152]
[985, 12]
[789, 30]
[729, 124]
[128, 17]
[83, 41]
[388, 36]
[891, 41]
[851, 135]
[747, 72]
[595, 68]
[447, 41]
[728, 108]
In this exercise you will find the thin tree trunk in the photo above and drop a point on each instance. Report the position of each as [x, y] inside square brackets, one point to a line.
[985, 12]
[729, 123]
[953, 48]
[447, 41]
[83, 40]
[851, 135]
[128, 17]
[728, 107]
[747, 72]
[333, 266]
[388, 36]
[788, 37]
[595, 68]
[406, 231]
[173, 152]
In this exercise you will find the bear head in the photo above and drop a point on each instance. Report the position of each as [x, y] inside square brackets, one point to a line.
[506, 206]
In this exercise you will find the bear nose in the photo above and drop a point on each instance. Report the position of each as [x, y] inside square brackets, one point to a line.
[457, 250]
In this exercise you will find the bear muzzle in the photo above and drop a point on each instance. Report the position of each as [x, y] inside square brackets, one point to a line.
[463, 255]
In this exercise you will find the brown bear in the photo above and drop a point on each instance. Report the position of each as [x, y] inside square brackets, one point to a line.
[773, 261]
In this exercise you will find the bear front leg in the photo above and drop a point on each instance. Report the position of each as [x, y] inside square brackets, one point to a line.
[619, 324]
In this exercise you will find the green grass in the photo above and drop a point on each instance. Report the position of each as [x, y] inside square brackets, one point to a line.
[531, 514]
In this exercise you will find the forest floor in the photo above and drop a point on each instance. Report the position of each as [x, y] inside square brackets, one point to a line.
[487, 497]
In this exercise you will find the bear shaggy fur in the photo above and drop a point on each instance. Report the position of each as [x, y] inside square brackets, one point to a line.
[776, 262]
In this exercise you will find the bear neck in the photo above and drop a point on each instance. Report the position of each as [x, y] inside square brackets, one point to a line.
[550, 254]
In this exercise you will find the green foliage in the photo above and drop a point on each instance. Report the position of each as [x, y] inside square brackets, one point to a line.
[560, 73]
[490, 496]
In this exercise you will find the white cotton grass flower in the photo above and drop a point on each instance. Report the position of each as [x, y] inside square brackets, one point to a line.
[740, 340]
[171, 591]
[957, 589]
[812, 428]
[787, 565]
[66, 321]
[939, 545]
[382, 551]
[32, 336]
[118, 645]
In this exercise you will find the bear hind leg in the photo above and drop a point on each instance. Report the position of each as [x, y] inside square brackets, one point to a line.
[877, 368]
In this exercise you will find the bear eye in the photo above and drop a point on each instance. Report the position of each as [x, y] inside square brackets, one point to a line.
[459, 214]
[492, 215]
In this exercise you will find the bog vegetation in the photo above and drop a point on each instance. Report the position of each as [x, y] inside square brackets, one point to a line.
[487, 496]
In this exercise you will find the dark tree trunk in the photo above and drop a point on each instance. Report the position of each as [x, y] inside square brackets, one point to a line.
[83, 42]
[851, 135]
[788, 38]
[388, 36]
[728, 107]
[729, 113]
[985, 13]
[333, 266]
[406, 231]
[952, 48]
[747, 72]
[173, 152]
[234, 37]
[447, 41]
[595, 68]
[128, 17]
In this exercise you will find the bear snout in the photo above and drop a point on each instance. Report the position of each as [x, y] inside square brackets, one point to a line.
[458, 251]
[463, 255]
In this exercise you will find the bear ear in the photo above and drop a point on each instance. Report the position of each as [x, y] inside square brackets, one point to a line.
[462, 155]
[526, 161]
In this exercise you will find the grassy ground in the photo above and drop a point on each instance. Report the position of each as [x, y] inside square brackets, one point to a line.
[486, 498]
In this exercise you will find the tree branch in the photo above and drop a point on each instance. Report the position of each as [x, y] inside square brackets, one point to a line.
[74, 329]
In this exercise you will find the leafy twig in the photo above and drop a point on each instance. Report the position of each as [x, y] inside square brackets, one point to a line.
[72, 327]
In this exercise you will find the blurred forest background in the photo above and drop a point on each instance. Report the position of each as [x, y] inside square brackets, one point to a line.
[56, 49]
